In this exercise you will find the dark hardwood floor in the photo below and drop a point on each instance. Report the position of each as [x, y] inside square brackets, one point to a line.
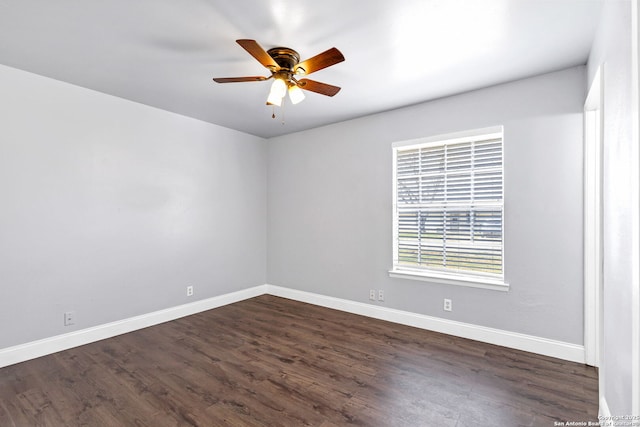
[270, 361]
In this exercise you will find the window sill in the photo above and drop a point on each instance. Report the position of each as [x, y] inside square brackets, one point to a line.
[475, 282]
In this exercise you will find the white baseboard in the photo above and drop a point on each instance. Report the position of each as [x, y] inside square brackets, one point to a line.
[603, 410]
[533, 344]
[547, 347]
[32, 350]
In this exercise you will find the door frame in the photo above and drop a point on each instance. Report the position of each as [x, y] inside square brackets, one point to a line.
[593, 236]
[635, 139]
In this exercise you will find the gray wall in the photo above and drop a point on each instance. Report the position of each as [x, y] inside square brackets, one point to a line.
[111, 208]
[329, 207]
[613, 48]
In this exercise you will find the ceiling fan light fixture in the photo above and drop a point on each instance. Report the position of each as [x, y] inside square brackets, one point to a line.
[295, 94]
[278, 91]
[279, 87]
[274, 99]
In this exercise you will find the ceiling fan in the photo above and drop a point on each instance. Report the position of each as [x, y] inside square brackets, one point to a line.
[285, 66]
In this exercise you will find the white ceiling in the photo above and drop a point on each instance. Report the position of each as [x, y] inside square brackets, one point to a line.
[164, 53]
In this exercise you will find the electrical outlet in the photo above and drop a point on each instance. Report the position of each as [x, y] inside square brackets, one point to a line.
[189, 291]
[372, 294]
[448, 305]
[69, 318]
[380, 295]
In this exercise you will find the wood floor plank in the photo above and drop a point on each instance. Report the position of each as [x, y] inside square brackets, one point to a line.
[270, 361]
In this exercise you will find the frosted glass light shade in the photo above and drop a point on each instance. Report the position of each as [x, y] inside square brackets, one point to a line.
[279, 87]
[274, 99]
[278, 91]
[295, 94]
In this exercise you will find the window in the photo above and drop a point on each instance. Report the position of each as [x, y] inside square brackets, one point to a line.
[448, 209]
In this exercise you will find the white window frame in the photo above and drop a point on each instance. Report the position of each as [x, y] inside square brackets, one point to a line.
[471, 279]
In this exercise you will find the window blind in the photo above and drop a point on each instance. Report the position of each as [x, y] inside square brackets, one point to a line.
[449, 205]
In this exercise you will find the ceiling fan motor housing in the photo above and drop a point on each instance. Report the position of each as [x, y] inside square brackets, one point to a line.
[285, 57]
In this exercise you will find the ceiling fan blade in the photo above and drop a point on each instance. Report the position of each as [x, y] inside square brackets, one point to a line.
[318, 87]
[259, 53]
[240, 79]
[323, 60]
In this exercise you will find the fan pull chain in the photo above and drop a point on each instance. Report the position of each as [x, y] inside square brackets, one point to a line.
[273, 112]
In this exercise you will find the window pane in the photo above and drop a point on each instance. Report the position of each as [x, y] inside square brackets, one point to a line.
[408, 190]
[488, 226]
[459, 187]
[432, 160]
[432, 188]
[408, 162]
